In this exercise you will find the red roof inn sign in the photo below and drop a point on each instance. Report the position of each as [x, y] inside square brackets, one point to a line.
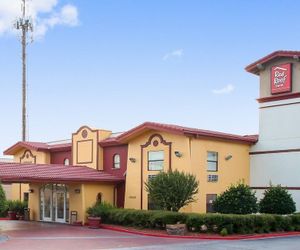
[281, 78]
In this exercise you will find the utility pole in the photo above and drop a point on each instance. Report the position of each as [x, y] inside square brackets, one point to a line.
[25, 25]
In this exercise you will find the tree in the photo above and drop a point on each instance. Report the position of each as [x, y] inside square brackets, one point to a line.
[172, 190]
[277, 200]
[237, 199]
[2, 201]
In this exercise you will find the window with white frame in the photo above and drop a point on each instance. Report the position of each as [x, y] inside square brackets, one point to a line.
[117, 161]
[212, 161]
[156, 160]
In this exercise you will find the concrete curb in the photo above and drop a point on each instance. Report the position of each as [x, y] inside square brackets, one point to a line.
[203, 237]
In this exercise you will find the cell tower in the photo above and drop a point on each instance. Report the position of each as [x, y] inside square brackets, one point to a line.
[25, 25]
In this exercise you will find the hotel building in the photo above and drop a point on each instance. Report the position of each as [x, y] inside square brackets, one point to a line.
[61, 180]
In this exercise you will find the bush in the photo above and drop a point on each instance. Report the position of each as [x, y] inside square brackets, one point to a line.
[277, 200]
[3, 205]
[237, 199]
[212, 223]
[172, 190]
[17, 206]
[224, 232]
[100, 210]
[243, 224]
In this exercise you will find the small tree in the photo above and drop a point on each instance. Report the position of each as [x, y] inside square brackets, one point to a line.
[277, 200]
[172, 190]
[237, 199]
[2, 201]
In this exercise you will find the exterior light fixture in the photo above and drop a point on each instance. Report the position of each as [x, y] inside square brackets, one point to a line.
[228, 157]
[260, 66]
[133, 160]
[77, 190]
[178, 154]
[30, 191]
[296, 58]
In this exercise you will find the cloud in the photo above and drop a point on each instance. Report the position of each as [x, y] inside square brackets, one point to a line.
[226, 90]
[45, 14]
[175, 53]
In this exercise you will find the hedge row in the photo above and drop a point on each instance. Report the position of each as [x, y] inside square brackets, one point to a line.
[241, 224]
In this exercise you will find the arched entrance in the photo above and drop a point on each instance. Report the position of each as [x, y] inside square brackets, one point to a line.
[54, 203]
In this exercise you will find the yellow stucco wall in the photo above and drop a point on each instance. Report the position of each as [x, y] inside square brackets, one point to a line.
[91, 191]
[85, 149]
[193, 160]
[77, 201]
[37, 157]
[34, 201]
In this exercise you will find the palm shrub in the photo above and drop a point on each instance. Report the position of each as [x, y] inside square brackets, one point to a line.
[16, 206]
[237, 199]
[3, 205]
[277, 200]
[172, 190]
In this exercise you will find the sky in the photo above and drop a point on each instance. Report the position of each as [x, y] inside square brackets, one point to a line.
[114, 64]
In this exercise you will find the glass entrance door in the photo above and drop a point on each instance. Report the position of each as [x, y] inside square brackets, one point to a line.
[46, 199]
[60, 204]
[54, 203]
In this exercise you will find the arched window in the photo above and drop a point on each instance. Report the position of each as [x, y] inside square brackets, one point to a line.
[66, 162]
[117, 161]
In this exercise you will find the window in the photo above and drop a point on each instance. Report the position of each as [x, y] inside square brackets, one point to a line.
[26, 197]
[212, 161]
[212, 178]
[151, 204]
[156, 160]
[117, 161]
[210, 198]
[66, 162]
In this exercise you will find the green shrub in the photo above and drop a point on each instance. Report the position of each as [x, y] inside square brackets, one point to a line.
[100, 210]
[237, 199]
[224, 232]
[277, 200]
[172, 190]
[162, 218]
[16, 206]
[211, 223]
[3, 205]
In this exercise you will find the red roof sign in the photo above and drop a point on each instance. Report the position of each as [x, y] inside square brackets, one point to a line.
[281, 78]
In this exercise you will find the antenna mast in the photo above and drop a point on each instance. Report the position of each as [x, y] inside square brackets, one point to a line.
[25, 25]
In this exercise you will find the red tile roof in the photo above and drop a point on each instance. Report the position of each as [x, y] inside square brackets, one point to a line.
[175, 129]
[252, 68]
[38, 146]
[52, 173]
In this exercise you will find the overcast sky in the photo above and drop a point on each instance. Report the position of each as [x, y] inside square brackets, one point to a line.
[114, 64]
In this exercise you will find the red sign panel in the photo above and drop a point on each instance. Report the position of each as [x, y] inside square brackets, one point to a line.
[281, 78]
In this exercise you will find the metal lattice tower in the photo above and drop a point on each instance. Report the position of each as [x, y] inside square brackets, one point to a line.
[24, 24]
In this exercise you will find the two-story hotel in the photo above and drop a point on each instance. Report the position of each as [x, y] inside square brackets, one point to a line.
[62, 179]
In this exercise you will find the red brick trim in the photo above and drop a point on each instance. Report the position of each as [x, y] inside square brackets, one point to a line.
[275, 151]
[288, 188]
[278, 97]
[252, 68]
[279, 105]
[200, 236]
